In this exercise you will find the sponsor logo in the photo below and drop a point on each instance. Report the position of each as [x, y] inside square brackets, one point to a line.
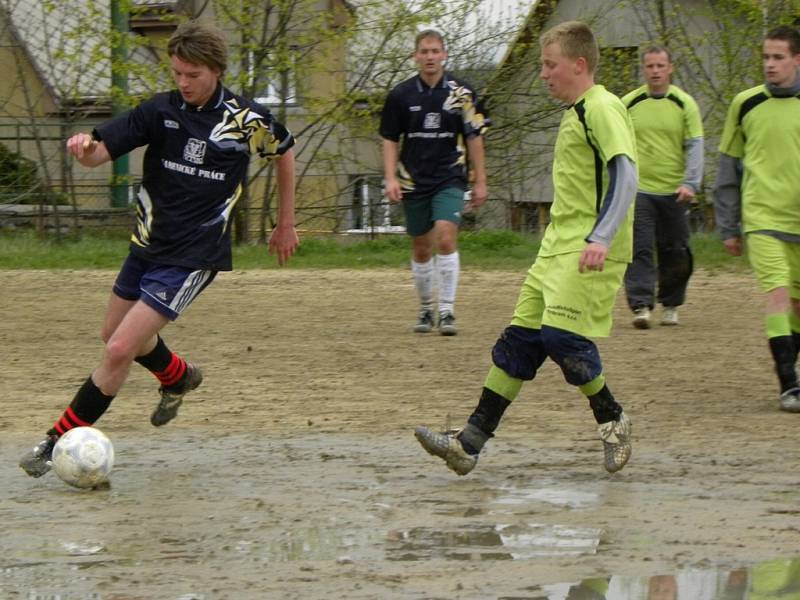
[170, 124]
[415, 108]
[162, 295]
[194, 151]
[432, 121]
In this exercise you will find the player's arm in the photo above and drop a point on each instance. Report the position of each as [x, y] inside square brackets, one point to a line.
[477, 159]
[88, 151]
[693, 172]
[284, 240]
[622, 185]
[391, 154]
[728, 202]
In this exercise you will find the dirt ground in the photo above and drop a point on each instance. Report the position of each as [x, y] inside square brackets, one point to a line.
[293, 471]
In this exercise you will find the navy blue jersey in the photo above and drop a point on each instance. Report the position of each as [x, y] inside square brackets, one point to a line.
[194, 166]
[434, 123]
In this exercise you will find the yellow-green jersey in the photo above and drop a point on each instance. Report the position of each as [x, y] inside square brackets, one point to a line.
[664, 124]
[763, 131]
[593, 131]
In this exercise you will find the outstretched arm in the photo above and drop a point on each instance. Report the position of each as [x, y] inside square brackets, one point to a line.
[284, 240]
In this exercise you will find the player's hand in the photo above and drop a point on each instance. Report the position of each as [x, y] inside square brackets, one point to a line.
[477, 196]
[684, 194]
[593, 257]
[283, 242]
[733, 246]
[393, 191]
[81, 144]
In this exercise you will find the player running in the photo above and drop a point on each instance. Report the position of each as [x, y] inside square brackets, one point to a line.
[200, 138]
[570, 290]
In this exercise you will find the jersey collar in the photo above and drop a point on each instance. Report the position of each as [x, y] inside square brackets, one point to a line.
[422, 86]
[210, 105]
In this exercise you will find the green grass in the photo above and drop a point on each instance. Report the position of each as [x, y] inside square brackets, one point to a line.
[498, 250]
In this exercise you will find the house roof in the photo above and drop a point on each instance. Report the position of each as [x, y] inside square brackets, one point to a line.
[66, 43]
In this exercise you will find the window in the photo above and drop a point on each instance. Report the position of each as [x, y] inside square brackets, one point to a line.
[271, 85]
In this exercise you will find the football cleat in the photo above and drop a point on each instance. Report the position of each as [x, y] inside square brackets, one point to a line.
[448, 447]
[424, 321]
[670, 316]
[616, 437]
[641, 318]
[790, 400]
[39, 460]
[172, 398]
[447, 324]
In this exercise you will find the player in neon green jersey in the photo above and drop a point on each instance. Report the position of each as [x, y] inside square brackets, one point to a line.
[570, 290]
[757, 196]
[669, 141]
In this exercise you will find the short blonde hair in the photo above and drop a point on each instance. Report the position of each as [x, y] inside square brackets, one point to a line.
[576, 40]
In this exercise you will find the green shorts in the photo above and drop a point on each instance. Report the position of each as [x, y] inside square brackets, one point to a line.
[444, 205]
[556, 294]
[775, 262]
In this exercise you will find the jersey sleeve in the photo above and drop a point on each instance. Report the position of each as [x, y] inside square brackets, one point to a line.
[272, 140]
[611, 130]
[732, 141]
[476, 118]
[693, 122]
[391, 127]
[129, 130]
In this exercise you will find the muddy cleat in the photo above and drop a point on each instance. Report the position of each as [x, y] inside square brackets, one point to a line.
[616, 437]
[447, 324]
[790, 400]
[171, 399]
[448, 447]
[641, 318]
[424, 321]
[39, 461]
[670, 316]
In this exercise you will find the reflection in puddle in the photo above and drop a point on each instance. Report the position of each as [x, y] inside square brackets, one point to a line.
[556, 496]
[771, 580]
[499, 542]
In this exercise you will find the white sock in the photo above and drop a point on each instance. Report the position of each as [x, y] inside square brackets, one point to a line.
[423, 279]
[448, 266]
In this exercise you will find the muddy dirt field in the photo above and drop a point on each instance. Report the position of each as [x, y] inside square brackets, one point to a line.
[293, 471]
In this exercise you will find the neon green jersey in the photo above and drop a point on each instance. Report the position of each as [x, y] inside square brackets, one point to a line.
[592, 131]
[764, 132]
[662, 125]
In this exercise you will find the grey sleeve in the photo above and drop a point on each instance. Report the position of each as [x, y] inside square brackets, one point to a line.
[728, 197]
[622, 184]
[693, 174]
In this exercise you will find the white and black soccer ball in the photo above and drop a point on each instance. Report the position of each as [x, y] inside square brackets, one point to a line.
[83, 457]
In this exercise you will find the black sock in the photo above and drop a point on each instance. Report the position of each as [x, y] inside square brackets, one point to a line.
[784, 354]
[483, 421]
[157, 359]
[796, 340]
[86, 407]
[604, 407]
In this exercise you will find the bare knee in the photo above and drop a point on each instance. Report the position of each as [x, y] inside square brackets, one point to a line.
[118, 353]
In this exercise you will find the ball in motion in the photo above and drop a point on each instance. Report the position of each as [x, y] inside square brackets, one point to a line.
[83, 457]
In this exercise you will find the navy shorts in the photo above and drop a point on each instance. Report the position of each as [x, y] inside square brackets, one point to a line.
[164, 288]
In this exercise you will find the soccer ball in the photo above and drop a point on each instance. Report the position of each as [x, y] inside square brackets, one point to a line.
[83, 457]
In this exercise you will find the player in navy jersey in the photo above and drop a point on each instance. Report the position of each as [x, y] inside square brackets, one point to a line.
[442, 123]
[200, 138]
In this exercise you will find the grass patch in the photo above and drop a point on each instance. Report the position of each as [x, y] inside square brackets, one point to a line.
[497, 250]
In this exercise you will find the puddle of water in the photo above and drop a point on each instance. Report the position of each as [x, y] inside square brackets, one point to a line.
[770, 580]
[561, 497]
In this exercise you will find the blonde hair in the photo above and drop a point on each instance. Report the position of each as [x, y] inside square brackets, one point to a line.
[576, 40]
[199, 44]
